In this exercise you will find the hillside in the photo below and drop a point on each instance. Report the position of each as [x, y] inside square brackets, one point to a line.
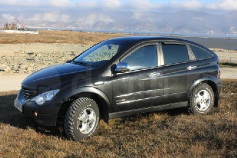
[168, 22]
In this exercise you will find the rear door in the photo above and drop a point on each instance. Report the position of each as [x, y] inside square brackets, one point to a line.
[176, 57]
[202, 65]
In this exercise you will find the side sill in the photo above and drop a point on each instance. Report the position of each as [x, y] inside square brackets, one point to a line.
[149, 109]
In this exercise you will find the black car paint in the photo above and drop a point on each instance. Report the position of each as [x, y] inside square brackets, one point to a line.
[123, 93]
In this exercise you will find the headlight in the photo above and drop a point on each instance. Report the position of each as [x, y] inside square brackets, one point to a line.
[46, 96]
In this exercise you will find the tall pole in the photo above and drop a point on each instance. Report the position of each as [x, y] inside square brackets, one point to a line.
[21, 24]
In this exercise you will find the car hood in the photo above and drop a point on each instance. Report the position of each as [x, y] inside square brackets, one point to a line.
[55, 76]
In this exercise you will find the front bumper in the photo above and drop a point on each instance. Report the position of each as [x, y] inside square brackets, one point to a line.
[43, 114]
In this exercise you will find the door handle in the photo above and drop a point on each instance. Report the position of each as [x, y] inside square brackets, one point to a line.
[191, 67]
[154, 74]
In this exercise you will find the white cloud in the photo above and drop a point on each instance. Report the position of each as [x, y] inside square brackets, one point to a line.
[192, 4]
[36, 3]
[50, 16]
[195, 4]
[86, 4]
[60, 3]
[8, 17]
[141, 5]
[92, 19]
[35, 17]
[224, 5]
[111, 3]
[127, 4]
[65, 18]
[22, 3]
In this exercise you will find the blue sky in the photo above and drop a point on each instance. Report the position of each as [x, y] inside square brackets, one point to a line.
[125, 4]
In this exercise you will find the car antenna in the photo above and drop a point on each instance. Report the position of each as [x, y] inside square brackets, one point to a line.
[171, 34]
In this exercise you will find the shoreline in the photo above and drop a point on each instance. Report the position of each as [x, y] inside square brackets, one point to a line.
[93, 37]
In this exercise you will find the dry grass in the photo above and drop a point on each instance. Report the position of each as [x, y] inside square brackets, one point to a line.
[56, 37]
[163, 134]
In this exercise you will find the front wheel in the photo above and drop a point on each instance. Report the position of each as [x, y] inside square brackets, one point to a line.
[81, 119]
[202, 99]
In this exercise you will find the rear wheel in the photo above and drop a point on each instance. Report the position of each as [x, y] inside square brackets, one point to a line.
[202, 99]
[81, 119]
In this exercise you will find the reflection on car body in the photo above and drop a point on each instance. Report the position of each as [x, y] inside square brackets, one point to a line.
[120, 77]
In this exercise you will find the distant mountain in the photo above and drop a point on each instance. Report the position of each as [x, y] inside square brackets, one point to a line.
[187, 21]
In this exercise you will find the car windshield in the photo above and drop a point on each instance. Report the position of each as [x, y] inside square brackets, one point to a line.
[99, 54]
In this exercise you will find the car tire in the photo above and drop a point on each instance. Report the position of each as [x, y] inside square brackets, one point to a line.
[81, 119]
[202, 99]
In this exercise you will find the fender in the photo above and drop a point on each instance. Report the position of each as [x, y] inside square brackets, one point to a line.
[212, 79]
[69, 93]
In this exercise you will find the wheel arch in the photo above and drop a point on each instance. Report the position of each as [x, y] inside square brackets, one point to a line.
[97, 95]
[212, 82]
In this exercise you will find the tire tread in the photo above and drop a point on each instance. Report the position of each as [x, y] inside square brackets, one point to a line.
[68, 122]
[191, 108]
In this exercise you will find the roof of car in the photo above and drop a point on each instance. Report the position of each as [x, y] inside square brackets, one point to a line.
[137, 39]
[144, 38]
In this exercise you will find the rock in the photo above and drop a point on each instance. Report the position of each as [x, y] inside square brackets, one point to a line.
[30, 53]
[30, 59]
[1, 69]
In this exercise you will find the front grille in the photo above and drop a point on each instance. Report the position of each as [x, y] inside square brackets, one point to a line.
[27, 93]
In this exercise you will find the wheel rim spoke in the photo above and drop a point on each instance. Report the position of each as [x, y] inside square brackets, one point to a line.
[86, 121]
[202, 100]
[198, 98]
[92, 118]
[84, 127]
[202, 106]
[83, 116]
[206, 95]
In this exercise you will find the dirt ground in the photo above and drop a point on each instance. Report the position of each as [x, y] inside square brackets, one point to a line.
[11, 81]
[56, 37]
[229, 56]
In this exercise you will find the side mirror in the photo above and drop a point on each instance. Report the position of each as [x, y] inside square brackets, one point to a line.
[121, 67]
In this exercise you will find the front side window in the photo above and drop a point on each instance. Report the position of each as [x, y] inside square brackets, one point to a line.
[175, 53]
[144, 57]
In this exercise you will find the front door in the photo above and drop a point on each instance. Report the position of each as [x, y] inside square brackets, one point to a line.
[142, 86]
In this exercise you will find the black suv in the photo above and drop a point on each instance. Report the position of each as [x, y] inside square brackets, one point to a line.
[120, 77]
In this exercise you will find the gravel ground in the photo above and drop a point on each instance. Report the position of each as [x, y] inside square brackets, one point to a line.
[28, 58]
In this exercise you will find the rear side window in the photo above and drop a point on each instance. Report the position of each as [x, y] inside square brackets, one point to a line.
[175, 53]
[200, 53]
